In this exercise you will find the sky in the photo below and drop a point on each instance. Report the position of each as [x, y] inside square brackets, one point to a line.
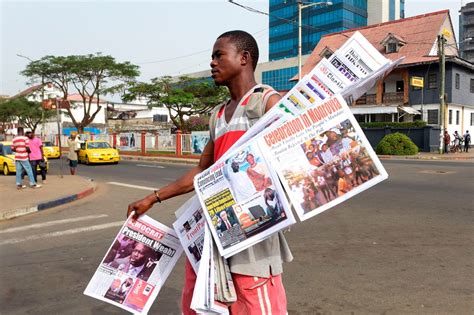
[171, 37]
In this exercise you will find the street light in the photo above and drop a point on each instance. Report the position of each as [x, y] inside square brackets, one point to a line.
[42, 96]
[302, 6]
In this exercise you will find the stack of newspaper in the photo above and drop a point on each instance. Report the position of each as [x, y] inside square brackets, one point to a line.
[136, 265]
[214, 286]
[309, 147]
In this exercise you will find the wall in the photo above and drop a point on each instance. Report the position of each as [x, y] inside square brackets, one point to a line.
[463, 94]
[426, 138]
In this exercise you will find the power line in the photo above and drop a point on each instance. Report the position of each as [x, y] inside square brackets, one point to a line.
[280, 18]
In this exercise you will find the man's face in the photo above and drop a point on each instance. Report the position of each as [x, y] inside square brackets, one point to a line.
[250, 159]
[137, 258]
[223, 215]
[225, 61]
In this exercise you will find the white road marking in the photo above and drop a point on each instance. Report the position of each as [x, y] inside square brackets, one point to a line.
[131, 186]
[153, 166]
[51, 223]
[62, 233]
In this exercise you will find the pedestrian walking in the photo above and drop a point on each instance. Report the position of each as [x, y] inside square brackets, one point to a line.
[36, 156]
[467, 141]
[257, 271]
[447, 141]
[21, 149]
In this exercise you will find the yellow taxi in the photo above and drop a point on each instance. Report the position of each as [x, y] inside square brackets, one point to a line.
[96, 151]
[7, 159]
[50, 150]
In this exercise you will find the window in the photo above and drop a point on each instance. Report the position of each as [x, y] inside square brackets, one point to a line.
[457, 117]
[432, 116]
[400, 86]
[450, 119]
[391, 48]
[472, 119]
[472, 85]
[457, 81]
[433, 83]
[160, 118]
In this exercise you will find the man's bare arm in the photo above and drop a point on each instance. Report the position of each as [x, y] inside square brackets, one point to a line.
[272, 101]
[182, 185]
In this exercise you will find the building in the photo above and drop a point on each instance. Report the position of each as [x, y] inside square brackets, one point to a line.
[316, 21]
[466, 31]
[393, 98]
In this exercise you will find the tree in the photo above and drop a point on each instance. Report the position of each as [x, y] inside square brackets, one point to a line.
[92, 76]
[7, 117]
[183, 98]
[28, 113]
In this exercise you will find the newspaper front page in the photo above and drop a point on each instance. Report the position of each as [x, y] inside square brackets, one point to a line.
[190, 230]
[136, 265]
[322, 157]
[243, 200]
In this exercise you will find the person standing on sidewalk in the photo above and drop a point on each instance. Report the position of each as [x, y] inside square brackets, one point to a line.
[36, 156]
[467, 141]
[447, 141]
[74, 143]
[256, 271]
[21, 148]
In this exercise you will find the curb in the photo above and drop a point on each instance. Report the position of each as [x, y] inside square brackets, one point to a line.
[160, 159]
[48, 204]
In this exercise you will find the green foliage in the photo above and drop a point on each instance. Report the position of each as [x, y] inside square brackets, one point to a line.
[396, 144]
[415, 124]
[91, 76]
[183, 98]
[199, 123]
[28, 113]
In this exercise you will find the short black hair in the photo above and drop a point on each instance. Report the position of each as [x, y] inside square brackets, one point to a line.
[244, 41]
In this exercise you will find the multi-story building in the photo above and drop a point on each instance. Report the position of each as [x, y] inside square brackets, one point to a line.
[466, 32]
[393, 98]
[324, 18]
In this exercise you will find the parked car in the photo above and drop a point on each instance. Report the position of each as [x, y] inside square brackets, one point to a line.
[97, 152]
[7, 159]
[50, 150]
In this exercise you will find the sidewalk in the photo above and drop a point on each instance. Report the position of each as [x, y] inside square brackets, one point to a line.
[459, 156]
[55, 192]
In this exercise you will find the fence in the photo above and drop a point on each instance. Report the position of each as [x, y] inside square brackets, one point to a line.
[146, 144]
[136, 143]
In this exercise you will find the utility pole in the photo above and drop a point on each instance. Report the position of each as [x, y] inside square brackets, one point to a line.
[442, 105]
[302, 6]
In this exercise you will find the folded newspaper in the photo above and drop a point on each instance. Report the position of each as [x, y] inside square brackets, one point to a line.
[191, 229]
[136, 265]
[309, 147]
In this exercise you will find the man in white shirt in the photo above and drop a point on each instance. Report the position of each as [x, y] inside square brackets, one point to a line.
[241, 185]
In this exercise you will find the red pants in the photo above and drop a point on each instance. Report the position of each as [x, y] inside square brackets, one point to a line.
[255, 296]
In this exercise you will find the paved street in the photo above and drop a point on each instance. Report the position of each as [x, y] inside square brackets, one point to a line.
[403, 247]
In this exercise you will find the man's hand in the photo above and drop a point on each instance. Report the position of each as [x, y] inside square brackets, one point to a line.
[141, 206]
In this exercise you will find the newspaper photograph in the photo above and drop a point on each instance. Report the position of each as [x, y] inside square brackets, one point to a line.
[136, 265]
[322, 157]
[243, 200]
[190, 230]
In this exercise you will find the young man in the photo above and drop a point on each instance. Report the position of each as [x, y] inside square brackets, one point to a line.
[257, 270]
[467, 141]
[21, 148]
[36, 156]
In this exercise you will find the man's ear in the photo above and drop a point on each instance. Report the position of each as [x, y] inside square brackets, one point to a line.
[245, 58]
